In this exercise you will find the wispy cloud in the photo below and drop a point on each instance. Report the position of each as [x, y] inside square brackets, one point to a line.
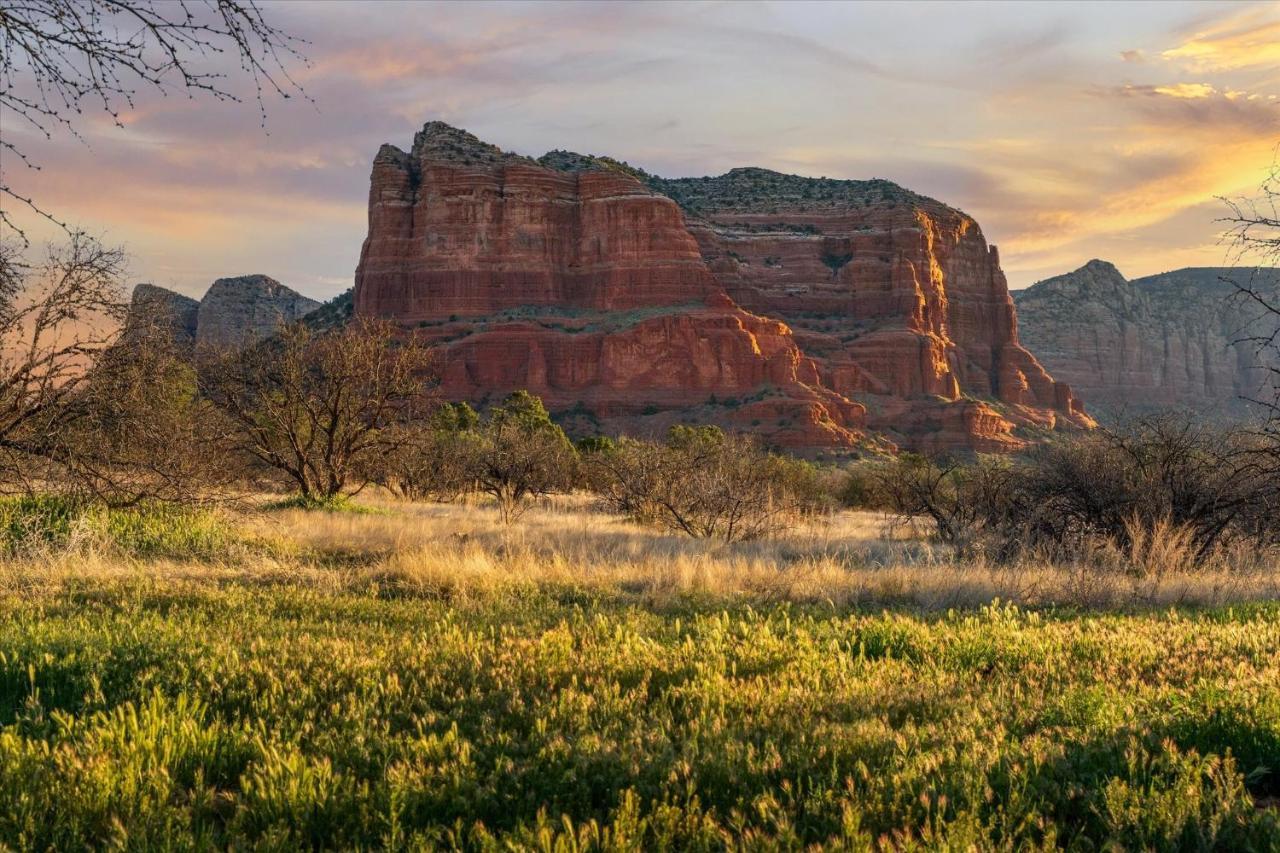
[1068, 132]
[1247, 39]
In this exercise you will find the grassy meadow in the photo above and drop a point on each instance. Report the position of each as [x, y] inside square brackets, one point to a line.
[419, 676]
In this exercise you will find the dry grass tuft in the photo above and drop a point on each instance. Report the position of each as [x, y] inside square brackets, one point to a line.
[463, 552]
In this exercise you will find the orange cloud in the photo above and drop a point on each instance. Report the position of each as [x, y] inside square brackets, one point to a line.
[1247, 40]
[1189, 91]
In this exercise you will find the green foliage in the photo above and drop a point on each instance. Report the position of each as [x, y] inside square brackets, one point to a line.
[836, 262]
[28, 521]
[455, 417]
[595, 444]
[524, 412]
[686, 437]
[332, 503]
[522, 453]
[32, 523]
[167, 530]
[285, 718]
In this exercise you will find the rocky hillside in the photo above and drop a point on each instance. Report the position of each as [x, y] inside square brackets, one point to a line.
[233, 311]
[160, 309]
[1167, 340]
[814, 311]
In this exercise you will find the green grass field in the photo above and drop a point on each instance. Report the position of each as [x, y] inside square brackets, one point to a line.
[151, 713]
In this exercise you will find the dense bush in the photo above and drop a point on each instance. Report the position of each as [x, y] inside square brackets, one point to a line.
[432, 459]
[705, 483]
[1207, 486]
[41, 524]
[521, 453]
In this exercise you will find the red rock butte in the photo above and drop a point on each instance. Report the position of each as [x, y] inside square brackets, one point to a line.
[822, 314]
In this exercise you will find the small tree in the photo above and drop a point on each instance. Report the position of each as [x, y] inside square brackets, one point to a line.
[316, 406]
[56, 319]
[521, 453]
[432, 459]
[706, 484]
[141, 431]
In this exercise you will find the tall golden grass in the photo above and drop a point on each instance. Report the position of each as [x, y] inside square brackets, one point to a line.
[464, 552]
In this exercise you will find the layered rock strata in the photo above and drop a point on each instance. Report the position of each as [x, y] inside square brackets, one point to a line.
[1183, 339]
[812, 311]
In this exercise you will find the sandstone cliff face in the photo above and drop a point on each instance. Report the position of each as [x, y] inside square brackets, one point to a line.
[234, 311]
[897, 296]
[1167, 340]
[807, 310]
[582, 287]
[247, 308]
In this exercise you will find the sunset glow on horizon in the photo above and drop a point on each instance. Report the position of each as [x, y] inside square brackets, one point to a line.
[1069, 131]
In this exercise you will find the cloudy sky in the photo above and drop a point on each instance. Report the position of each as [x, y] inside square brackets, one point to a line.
[1070, 131]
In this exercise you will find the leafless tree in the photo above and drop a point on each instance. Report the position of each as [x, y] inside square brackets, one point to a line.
[1253, 234]
[703, 483]
[957, 496]
[315, 406]
[138, 429]
[56, 319]
[62, 58]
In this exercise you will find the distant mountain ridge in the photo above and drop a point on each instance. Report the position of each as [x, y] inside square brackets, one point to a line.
[234, 311]
[1175, 339]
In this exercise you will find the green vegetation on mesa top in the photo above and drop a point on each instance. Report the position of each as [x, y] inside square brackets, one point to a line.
[334, 313]
[747, 189]
[152, 716]
[758, 190]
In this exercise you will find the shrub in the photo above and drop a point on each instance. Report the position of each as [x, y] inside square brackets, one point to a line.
[1161, 471]
[432, 460]
[938, 489]
[520, 453]
[860, 487]
[706, 484]
[1157, 490]
[31, 525]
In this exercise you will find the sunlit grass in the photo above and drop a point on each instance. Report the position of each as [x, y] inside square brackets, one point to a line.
[426, 677]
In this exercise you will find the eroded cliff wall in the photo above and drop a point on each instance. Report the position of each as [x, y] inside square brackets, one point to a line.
[1176, 339]
[809, 310]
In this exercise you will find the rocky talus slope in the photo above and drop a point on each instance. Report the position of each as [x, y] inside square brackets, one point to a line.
[1176, 339]
[816, 312]
[234, 311]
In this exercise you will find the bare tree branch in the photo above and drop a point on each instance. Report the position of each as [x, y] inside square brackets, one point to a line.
[1253, 237]
[56, 318]
[62, 58]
